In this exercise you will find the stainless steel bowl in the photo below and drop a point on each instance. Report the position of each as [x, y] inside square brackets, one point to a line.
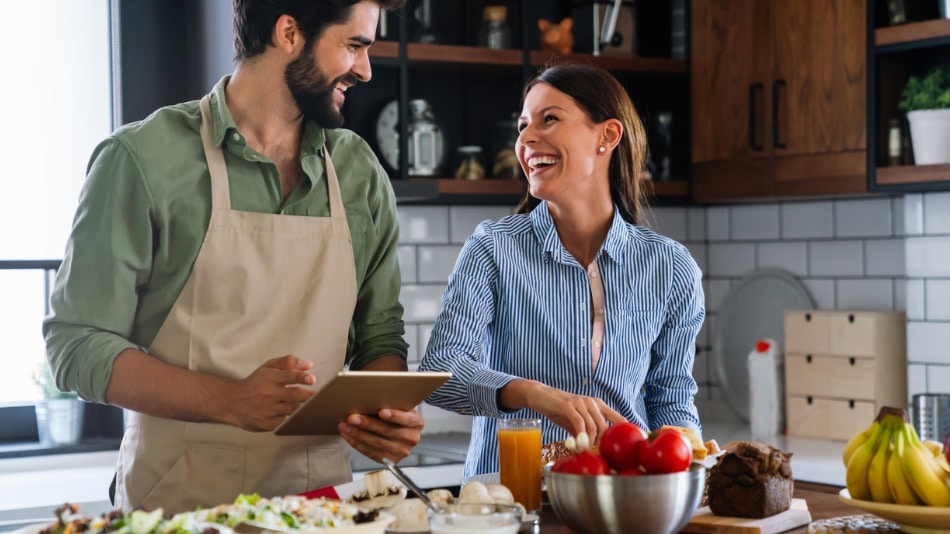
[647, 504]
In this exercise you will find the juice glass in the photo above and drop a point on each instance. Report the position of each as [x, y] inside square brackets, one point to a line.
[519, 453]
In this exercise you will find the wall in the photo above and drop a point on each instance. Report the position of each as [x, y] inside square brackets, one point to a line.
[884, 253]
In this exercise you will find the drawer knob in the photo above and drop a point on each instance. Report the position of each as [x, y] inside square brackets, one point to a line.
[851, 404]
[809, 399]
[808, 358]
[851, 360]
[850, 317]
[807, 317]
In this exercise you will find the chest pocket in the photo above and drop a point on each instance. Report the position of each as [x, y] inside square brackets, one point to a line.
[636, 330]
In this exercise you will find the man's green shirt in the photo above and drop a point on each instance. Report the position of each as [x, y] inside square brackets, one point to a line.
[143, 213]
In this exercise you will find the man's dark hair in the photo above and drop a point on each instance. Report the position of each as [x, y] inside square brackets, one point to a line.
[254, 20]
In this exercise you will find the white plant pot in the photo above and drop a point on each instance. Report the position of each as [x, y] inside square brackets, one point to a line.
[930, 135]
[59, 421]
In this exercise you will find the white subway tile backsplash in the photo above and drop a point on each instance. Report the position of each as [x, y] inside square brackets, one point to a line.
[439, 420]
[937, 213]
[836, 258]
[916, 380]
[791, 256]
[813, 220]
[859, 218]
[715, 293]
[412, 338]
[927, 342]
[913, 214]
[916, 300]
[696, 225]
[406, 256]
[423, 224]
[938, 379]
[421, 302]
[756, 222]
[464, 219]
[670, 222]
[928, 257]
[437, 261]
[884, 257]
[867, 294]
[717, 223]
[698, 252]
[731, 259]
[822, 291]
[900, 294]
[897, 218]
[937, 300]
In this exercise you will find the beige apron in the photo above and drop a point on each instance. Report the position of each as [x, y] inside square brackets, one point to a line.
[262, 286]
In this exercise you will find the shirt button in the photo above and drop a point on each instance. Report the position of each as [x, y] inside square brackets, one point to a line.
[600, 311]
[593, 274]
[585, 380]
[236, 136]
[597, 343]
[583, 343]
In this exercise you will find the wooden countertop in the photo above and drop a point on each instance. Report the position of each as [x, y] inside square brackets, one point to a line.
[822, 503]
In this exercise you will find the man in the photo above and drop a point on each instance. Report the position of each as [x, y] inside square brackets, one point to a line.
[226, 252]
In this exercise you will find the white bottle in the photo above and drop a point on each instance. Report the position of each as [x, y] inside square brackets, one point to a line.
[766, 390]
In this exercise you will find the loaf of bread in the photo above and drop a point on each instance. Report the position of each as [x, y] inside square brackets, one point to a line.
[750, 480]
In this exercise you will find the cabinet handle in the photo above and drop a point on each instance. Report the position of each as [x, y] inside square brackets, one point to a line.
[808, 358]
[851, 404]
[776, 85]
[753, 134]
[809, 399]
[851, 360]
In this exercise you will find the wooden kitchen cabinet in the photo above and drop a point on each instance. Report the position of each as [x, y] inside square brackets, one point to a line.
[841, 367]
[778, 94]
[471, 88]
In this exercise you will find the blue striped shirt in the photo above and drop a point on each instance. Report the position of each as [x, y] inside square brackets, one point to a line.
[518, 305]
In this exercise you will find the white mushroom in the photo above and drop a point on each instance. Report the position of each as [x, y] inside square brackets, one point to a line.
[500, 494]
[441, 496]
[474, 492]
[410, 516]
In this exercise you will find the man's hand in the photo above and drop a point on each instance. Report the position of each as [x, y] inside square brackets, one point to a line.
[263, 399]
[391, 435]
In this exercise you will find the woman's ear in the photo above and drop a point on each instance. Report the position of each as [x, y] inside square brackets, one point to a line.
[612, 131]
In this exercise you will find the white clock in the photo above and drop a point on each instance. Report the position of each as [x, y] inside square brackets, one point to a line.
[426, 141]
[387, 133]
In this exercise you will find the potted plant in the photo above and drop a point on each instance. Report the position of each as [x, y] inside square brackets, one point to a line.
[927, 103]
[59, 415]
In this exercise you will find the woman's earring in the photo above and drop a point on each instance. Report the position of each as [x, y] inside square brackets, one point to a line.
[602, 149]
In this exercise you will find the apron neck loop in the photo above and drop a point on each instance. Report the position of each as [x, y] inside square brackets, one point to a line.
[220, 191]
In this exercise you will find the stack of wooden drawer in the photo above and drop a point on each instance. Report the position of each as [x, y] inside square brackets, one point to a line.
[841, 367]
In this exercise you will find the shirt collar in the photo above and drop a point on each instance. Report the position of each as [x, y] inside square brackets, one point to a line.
[546, 233]
[311, 143]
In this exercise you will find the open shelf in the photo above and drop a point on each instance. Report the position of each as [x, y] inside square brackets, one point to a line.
[628, 64]
[912, 174]
[912, 33]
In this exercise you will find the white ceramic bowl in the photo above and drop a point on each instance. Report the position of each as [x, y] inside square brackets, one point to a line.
[476, 518]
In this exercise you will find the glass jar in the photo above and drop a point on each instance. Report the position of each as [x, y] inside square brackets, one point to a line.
[469, 163]
[505, 163]
[495, 32]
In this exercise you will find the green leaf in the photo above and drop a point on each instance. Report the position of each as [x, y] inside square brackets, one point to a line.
[929, 92]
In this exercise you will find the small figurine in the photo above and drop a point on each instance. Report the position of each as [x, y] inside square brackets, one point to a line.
[556, 37]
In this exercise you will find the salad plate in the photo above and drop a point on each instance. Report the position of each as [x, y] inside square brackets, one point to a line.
[913, 519]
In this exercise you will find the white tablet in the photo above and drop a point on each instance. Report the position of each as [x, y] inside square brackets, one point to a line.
[362, 392]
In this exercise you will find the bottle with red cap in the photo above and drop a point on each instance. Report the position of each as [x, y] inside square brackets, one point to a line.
[766, 389]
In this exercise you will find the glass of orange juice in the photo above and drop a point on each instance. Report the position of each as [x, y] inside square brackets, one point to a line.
[519, 453]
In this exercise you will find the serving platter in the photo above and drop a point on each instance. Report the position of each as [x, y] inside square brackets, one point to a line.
[913, 519]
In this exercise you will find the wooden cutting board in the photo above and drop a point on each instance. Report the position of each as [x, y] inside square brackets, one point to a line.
[704, 522]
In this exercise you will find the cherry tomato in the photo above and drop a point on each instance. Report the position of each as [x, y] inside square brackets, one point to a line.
[665, 451]
[619, 445]
[582, 463]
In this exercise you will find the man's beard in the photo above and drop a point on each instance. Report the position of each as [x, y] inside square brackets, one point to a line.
[313, 93]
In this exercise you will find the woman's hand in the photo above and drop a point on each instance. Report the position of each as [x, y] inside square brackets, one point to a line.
[391, 435]
[574, 413]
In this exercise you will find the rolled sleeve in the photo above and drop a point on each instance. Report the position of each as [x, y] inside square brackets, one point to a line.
[94, 299]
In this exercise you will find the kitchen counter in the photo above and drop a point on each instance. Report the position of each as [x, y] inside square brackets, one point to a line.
[813, 460]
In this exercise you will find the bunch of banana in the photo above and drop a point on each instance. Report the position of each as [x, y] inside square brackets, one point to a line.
[888, 463]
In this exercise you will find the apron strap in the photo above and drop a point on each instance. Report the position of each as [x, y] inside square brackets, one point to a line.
[220, 191]
[337, 210]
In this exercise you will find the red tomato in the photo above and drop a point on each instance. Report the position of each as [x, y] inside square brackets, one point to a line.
[665, 451]
[582, 463]
[619, 445]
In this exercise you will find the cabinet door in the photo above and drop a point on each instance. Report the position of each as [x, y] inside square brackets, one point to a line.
[819, 83]
[730, 80]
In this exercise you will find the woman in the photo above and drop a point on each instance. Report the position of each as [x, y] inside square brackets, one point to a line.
[569, 310]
